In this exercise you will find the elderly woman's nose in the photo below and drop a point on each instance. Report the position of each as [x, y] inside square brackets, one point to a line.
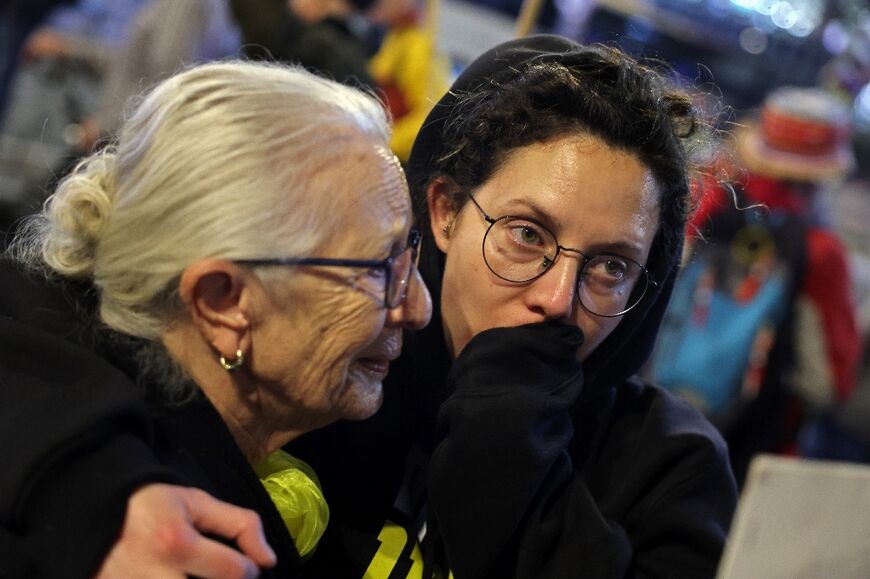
[416, 309]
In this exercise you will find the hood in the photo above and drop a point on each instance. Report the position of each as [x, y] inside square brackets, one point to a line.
[626, 350]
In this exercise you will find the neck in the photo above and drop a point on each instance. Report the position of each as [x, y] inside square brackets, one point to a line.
[259, 423]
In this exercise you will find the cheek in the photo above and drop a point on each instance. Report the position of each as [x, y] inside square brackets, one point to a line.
[337, 331]
[466, 293]
[350, 330]
[595, 330]
[333, 375]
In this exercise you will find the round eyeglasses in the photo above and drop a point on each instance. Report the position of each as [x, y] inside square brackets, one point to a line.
[519, 250]
[395, 271]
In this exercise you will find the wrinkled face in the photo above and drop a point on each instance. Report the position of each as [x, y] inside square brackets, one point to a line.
[591, 197]
[324, 339]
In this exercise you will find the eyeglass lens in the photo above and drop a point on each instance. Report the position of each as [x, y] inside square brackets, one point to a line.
[520, 250]
[400, 274]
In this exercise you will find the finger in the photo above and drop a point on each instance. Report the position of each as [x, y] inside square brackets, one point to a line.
[252, 542]
[214, 516]
[213, 560]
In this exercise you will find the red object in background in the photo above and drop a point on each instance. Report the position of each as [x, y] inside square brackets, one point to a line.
[802, 136]
[395, 100]
[828, 285]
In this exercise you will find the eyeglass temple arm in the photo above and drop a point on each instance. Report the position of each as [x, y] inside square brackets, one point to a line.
[486, 216]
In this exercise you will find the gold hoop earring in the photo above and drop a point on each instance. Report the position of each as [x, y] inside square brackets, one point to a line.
[235, 364]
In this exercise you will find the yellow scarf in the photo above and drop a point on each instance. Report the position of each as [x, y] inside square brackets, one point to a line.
[295, 490]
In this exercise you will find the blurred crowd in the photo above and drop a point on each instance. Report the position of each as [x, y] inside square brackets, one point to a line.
[768, 326]
[75, 66]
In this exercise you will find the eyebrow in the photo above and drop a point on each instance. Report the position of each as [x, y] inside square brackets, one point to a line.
[621, 247]
[538, 212]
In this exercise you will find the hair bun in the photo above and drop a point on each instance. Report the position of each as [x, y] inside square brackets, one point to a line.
[76, 215]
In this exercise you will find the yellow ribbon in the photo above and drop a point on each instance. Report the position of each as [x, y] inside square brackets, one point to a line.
[296, 493]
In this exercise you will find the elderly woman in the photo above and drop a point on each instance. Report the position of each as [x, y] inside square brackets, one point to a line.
[552, 187]
[245, 253]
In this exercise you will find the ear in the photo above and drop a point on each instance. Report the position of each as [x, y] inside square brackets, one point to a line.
[217, 297]
[441, 212]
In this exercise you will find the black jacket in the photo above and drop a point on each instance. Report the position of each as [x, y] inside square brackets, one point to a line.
[78, 436]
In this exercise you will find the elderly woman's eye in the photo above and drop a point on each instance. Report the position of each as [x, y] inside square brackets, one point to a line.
[376, 273]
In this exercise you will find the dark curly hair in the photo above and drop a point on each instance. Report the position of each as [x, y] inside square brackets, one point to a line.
[596, 90]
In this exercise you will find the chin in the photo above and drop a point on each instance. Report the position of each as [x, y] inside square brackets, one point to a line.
[362, 399]
[364, 409]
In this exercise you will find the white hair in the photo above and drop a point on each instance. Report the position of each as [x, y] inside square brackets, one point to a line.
[218, 161]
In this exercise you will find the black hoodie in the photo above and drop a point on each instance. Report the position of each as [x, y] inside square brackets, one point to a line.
[539, 467]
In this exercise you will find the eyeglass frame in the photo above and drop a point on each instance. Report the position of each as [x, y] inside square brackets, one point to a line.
[559, 248]
[413, 245]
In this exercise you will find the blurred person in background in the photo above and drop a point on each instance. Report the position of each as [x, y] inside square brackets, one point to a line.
[762, 333]
[59, 82]
[800, 144]
[165, 35]
[320, 37]
[89, 30]
[18, 18]
[809, 130]
[81, 86]
[407, 67]
[244, 254]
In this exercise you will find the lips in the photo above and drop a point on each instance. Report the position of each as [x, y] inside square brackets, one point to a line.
[378, 359]
[375, 365]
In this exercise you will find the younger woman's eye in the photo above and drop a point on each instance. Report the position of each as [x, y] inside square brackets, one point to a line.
[529, 235]
[615, 267]
[608, 270]
[526, 234]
